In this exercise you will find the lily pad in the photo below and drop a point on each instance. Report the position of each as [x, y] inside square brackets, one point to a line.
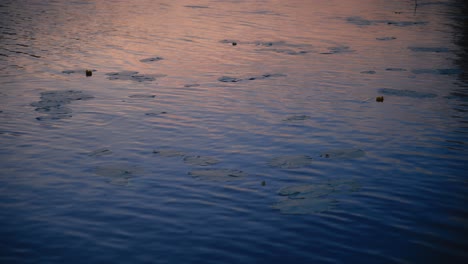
[406, 23]
[395, 69]
[297, 118]
[338, 49]
[385, 38]
[229, 79]
[305, 206]
[286, 51]
[359, 21]
[117, 174]
[251, 78]
[169, 153]
[156, 113]
[200, 160]
[142, 96]
[298, 191]
[133, 76]
[406, 93]
[313, 198]
[218, 174]
[343, 154]
[152, 59]
[53, 103]
[291, 162]
[369, 72]
[100, 152]
[196, 6]
[78, 71]
[191, 85]
[319, 190]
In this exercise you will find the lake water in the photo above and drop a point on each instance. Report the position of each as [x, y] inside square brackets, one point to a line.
[219, 131]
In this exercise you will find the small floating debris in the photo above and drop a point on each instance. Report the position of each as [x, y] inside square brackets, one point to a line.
[291, 162]
[297, 118]
[142, 96]
[117, 174]
[406, 23]
[252, 78]
[218, 174]
[89, 73]
[191, 85]
[100, 152]
[234, 43]
[379, 99]
[314, 198]
[196, 6]
[343, 153]
[286, 51]
[156, 114]
[263, 183]
[200, 160]
[395, 69]
[385, 38]
[152, 59]
[406, 93]
[369, 72]
[169, 153]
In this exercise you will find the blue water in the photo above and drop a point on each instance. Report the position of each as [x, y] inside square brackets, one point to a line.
[193, 158]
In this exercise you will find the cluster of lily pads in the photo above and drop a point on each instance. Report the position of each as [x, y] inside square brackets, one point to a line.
[293, 199]
[54, 104]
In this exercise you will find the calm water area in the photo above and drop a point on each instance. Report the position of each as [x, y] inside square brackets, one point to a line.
[233, 131]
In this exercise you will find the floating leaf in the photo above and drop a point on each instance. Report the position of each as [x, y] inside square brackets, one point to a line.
[200, 160]
[169, 153]
[297, 118]
[305, 206]
[156, 114]
[291, 162]
[118, 174]
[313, 198]
[218, 174]
[385, 38]
[152, 59]
[229, 79]
[53, 103]
[100, 152]
[133, 76]
[369, 72]
[343, 154]
[406, 93]
[395, 69]
[142, 96]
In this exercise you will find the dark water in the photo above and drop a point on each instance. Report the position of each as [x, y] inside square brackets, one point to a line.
[233, 131]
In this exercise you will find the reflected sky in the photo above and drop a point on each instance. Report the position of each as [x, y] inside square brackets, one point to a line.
[224, 88]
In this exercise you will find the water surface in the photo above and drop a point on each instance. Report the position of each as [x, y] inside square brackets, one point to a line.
[233, 131]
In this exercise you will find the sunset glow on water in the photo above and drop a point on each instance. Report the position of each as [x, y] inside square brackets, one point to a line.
[233, 131]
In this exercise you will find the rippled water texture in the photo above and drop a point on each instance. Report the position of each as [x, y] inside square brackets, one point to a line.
[156, 131]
